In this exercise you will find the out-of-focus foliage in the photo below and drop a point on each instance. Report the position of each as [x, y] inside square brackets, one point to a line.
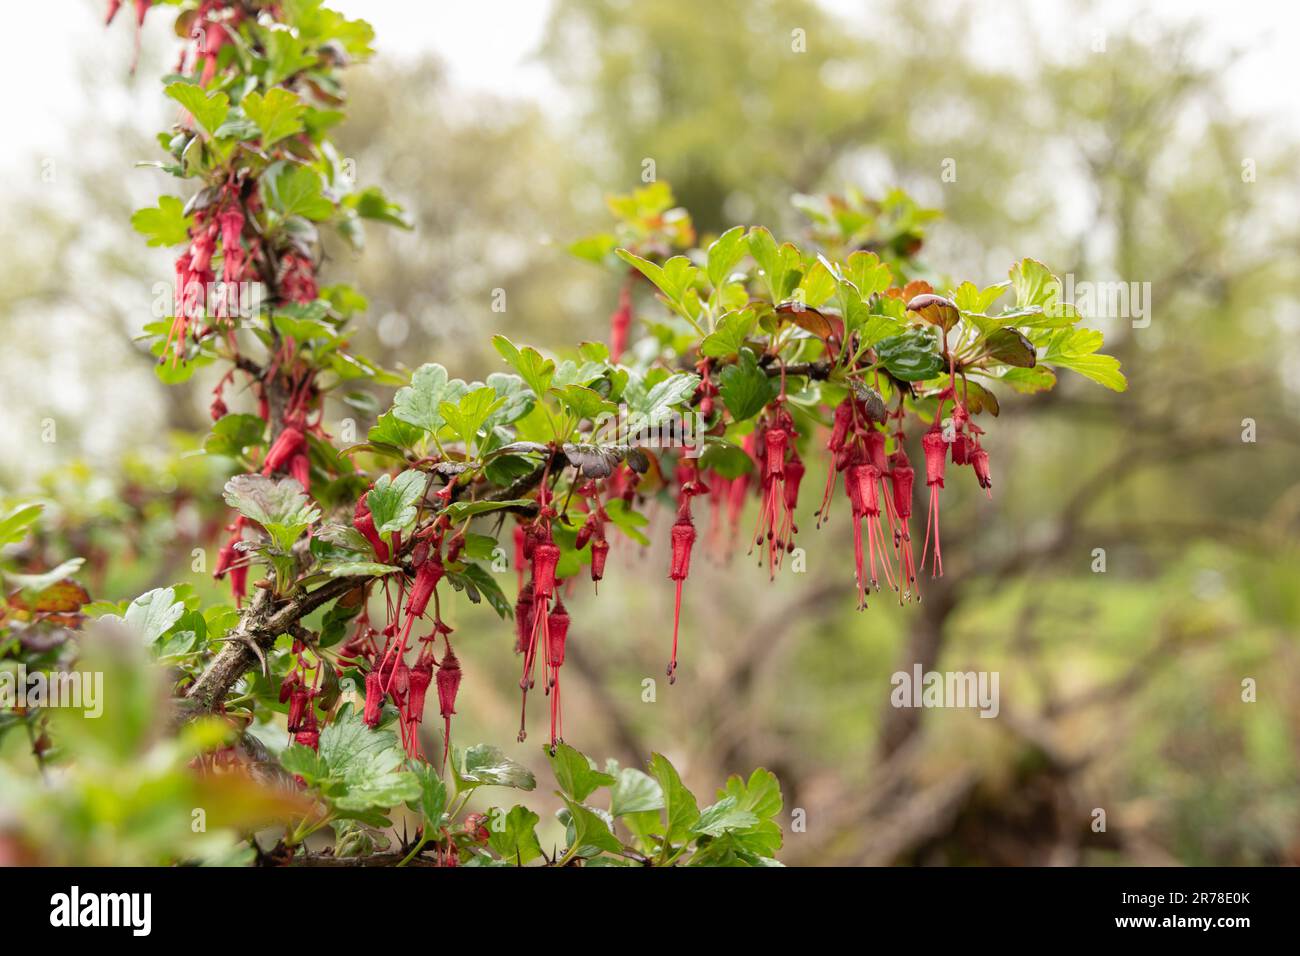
[1121, 690]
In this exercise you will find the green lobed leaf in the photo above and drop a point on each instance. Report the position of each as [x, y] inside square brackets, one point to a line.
[724, 252]
[910, 356]
[745, 388]
[576, 773]
[513, 836]
[296, 190]
[165, 224]
[635, 792]
[536, 371]
[484, 765]
[394, 502]
[729, 334]
[208, 109]
[679, 803]
[277, 114]
[1076, 349]
[13, 527]
[591, 834]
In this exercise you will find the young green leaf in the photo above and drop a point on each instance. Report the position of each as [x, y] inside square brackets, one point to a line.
[208, 109]
[296, 190]
[394, 502]
[679, 803]
[514, 837]
[420, 402]
[277, 115]
[576, 773]
[745, 387]
[724, 252]
[165, 224]
[483, 765]
[281, 507]
[528, 362]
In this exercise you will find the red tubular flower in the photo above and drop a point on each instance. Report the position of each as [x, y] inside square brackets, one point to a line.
[523, 618]
[364, 522]
[400, 682]
[418, 687]
[448, 683]
[599, 552]
[868, 477]
[300, 470]
[427, 577]
[558, 631]
[419, 680]
[299, 703]
[843, 421]
[297, 280]
[521, 557]
[557, 634]
[935, 449]
[794, 472]
[546, 556]
[233, 259]
[287, 686]
[875, 442]
[229, 562]
[979, 460]
[290, 442]
[853, 488]
[309, 733]
[374, 699]
[620, 322]
[902, 479]
[683, 539]
[776, 515]
[961, 449]
[239, 584]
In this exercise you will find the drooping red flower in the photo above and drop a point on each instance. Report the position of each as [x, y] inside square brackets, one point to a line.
[557, 627]
[936, 450]
[448, 684]
[374, 699]
[418, 683]
[231, 561]
[842, 422]
[620, 321]
[599, 553]
[524, 618]
[979, 460]
[546, 557]
[233, 256]
[521, 557]
[290, 442]
[297, 279]
[364, 522]
[308, 733]
[558, 632]
[427, 576]
[683, 539]
[299, 704]
[776, 511]
[902, 479]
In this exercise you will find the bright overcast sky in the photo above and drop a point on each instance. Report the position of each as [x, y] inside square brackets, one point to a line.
[487, 45]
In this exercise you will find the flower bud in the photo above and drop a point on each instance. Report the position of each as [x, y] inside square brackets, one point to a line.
[683, 538]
